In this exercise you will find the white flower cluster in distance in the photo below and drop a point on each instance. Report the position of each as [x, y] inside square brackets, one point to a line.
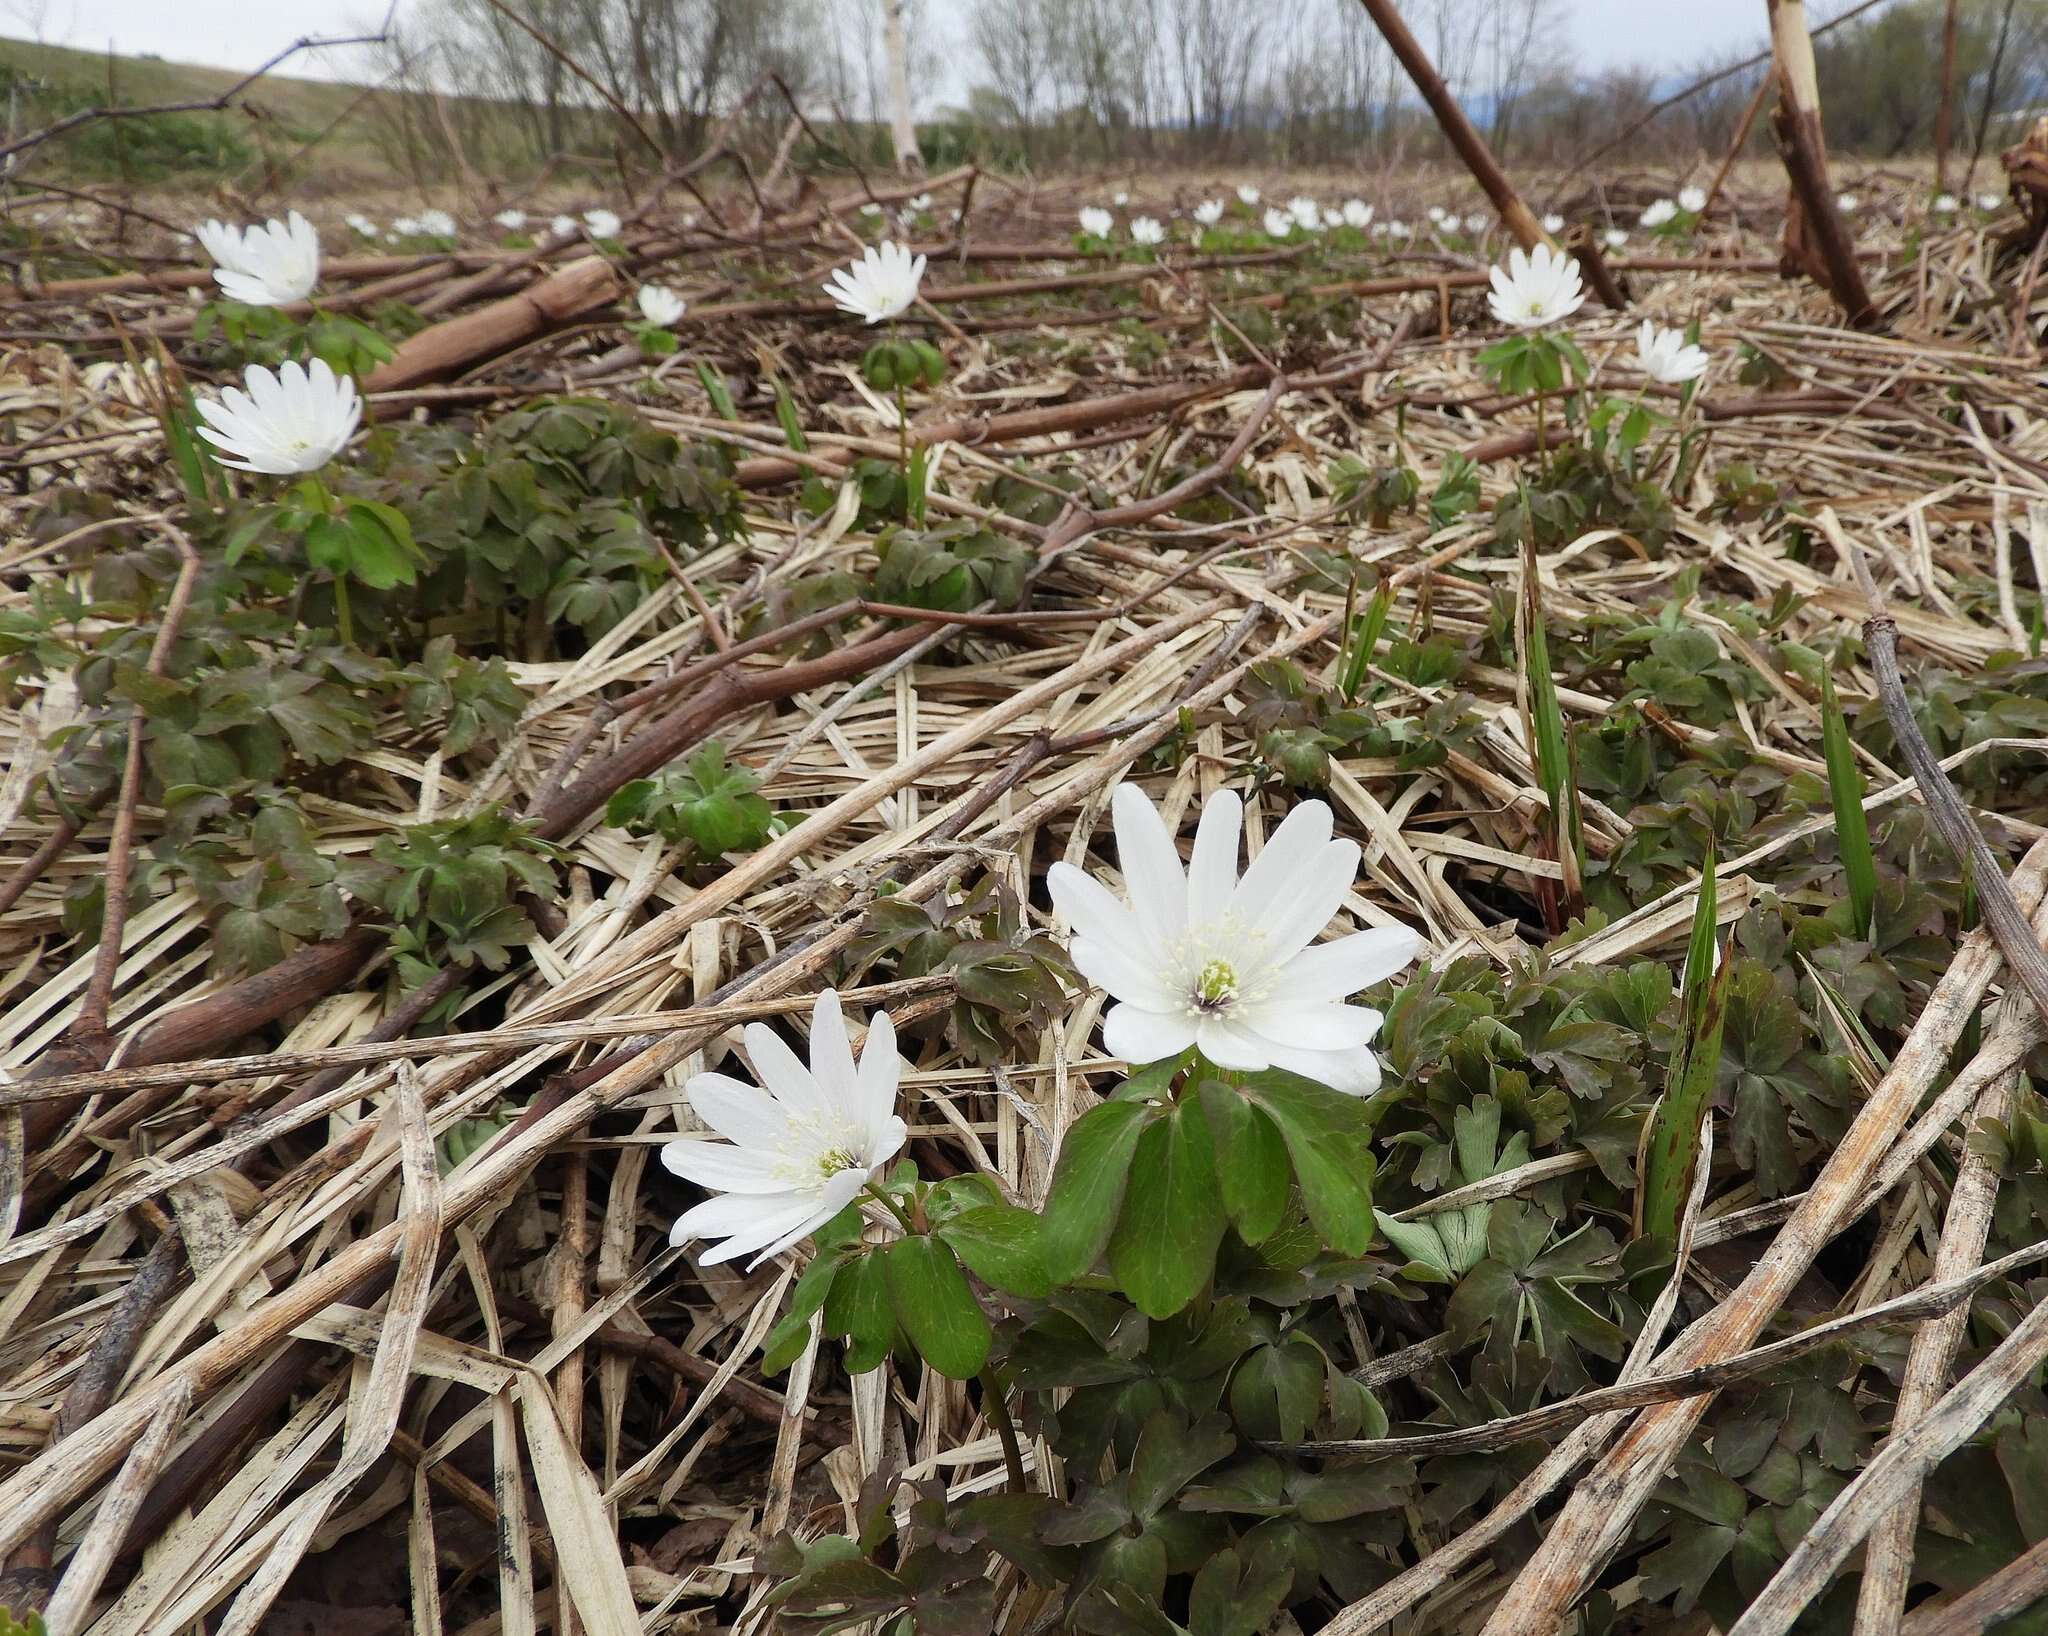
[659, 305]
[1096, 222]
[1199, 957]
[880, 285]
[1536, 288]
[1666, 356]
[268, 266]
[291, 422]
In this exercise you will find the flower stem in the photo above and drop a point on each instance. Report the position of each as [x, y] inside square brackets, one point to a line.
[889, 1204]
[341, 620]
[997, 1411]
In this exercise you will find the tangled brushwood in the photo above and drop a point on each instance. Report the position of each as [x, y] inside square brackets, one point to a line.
[1064, 914]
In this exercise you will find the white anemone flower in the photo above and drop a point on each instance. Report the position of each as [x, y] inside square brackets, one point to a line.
[356, 222]
[1693, 199]
[280, 264]
[659, 305]
[871, 209]
[1666, 356]
[1990, 201]
[1398, 229]
[1202, 958]
[222, 242]
[1278, 223]
[1247, 194]
[437, 224]
[510, 220]
[1097, 222]
[1358, 214]
[1945, 203]
[1614, 238]
[1536, 288]
[1304, 210]
[1146, 230]
[294, 421]
[1659, 212]
[879, 285]
[603, 224]
[919, 201]
[404, 227]
[1120, 199]
[1477, 224]
[1846, 203]
[1209, 212]
[796, 1152]
[1553, 223]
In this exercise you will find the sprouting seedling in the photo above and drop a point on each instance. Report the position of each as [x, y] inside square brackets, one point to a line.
[1852, 826]
[1671, 1138]
[1564, 834]
[1361, 637]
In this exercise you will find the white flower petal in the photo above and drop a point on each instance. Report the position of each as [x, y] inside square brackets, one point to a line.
[1096, 913]
[1355, 1073]
[1312, 1027]
[1140, 1036]
[794, 1216]
[832, 1068]
[721, 1165]
[1108, 966]
[1229, 1046]
[1212, 871]
[1287, 861]
[838, 1193]
[1340, 968]
[1151, 865]
[740, 1112]
[783, 1072]
[885, 1139]
[880, 1072]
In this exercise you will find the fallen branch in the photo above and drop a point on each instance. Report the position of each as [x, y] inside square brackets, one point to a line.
[457, 342]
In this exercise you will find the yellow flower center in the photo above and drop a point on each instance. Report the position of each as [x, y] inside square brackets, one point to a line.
[834, 1160]
[1216, 987]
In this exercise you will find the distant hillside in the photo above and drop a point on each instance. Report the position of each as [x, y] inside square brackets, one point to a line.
[266, 128]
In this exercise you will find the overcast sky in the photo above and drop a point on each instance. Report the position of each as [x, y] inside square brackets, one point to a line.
[1662, 34]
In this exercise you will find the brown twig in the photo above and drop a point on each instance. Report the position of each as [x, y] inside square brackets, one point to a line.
[99, 993]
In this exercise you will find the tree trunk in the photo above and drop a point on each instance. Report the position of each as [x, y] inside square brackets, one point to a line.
[896, 50]
[1815, 236]
[1948, 87]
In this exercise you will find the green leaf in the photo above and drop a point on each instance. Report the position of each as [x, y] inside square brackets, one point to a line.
[1164, 1248]
[785, 1342]
[999, 1243]
[1326, 1133]
[1671, 1141]
[1254, 1172]
[937, 1311]
[1088, 1186]
[1852, 825]
[858, 1306]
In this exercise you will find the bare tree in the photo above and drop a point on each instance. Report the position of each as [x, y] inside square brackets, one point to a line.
[1018, 42]
[896, 49]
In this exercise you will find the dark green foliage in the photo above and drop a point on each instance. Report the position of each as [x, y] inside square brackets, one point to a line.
[1011, 980]
[452, 890]
[710, 805]
[954, 568]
